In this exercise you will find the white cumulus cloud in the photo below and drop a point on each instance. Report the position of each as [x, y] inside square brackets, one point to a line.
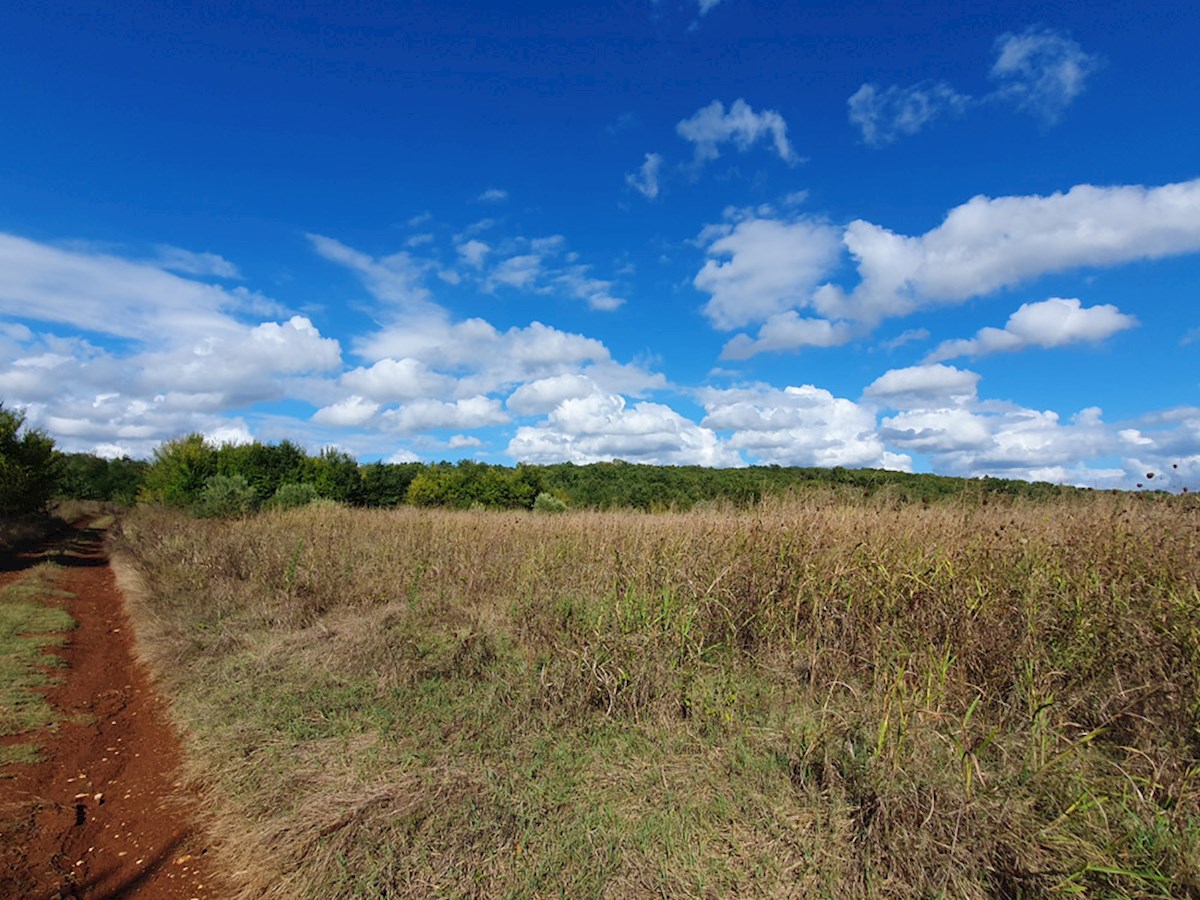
[1050, 323]
[390, 380]
[764, 266]
[544, 394]
[991, 243]
[425, 414]
[798, 426]
[602, 426]
[926, 386]
[788, 331]
[352, 412]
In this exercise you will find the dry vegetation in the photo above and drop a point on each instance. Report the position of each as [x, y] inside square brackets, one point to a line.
[815, 698]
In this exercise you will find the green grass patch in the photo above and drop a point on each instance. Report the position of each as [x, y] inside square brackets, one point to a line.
[27, 628]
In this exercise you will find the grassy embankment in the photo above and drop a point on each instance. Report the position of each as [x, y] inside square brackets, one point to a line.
[816, 698]
[27, 627]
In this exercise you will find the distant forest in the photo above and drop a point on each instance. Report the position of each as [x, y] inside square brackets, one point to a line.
[191, 473]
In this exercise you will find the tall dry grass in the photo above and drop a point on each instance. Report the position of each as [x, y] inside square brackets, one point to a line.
[815, 698]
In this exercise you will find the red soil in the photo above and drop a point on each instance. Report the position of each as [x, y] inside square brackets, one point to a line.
[104, 814]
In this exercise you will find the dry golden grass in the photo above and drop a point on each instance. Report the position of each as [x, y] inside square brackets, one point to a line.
[814, 698]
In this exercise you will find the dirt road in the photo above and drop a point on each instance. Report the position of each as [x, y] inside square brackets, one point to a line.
[103, 815]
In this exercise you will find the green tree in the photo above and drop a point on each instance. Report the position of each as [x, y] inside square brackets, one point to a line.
[84, 476]
[335, 475]
[28, 464]
[386, 484]
[179, 472]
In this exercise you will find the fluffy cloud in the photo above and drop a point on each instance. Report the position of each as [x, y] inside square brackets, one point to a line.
[1050, 323]
[711, 126]
[543, 395]
[763, 266]
[1000, 439]
[493, 195]
[390, 380]
[788, 331]
[352, 412]
[645, 179]
[798, 426]
[601, 426]
[463, 414]
[485, 360]
[1166, 444]
[884, 115]
[241, 366]
[87, 393]
[1041, 71]
[991, 243]
[920, 387]
[939, 414]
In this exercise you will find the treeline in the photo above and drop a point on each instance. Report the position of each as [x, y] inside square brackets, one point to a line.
[33, 473]
[191, 473]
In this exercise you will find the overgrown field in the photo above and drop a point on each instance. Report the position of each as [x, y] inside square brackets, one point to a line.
[813, 698]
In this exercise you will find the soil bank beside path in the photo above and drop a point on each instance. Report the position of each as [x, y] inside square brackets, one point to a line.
[103, 815]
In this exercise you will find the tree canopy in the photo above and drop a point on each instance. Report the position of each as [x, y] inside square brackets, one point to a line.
[28, 466]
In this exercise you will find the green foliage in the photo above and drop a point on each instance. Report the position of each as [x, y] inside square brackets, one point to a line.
[386, 484]
[474, 484]
[264, 466]
[28, 466]
[84, 476]
[225, 496]
[179, 472]
[292, 495]
[181, 468]
[548, 503]
[334, 474]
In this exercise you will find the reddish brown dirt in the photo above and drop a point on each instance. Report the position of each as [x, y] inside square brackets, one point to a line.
[103, 815]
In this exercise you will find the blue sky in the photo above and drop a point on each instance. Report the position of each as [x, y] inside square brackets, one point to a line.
[926, 237]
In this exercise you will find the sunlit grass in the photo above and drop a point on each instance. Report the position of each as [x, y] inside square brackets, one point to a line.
[27, 628]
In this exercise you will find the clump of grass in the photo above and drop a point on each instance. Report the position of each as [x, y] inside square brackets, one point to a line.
[27, 628]
[819, 696]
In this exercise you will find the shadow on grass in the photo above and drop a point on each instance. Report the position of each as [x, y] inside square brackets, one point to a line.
[83, 549]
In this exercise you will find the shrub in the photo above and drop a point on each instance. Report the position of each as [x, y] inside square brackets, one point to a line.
[293, 495]
[548, 503]
[225, 496]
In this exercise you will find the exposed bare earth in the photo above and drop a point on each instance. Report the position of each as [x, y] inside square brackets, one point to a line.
[103, 815]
